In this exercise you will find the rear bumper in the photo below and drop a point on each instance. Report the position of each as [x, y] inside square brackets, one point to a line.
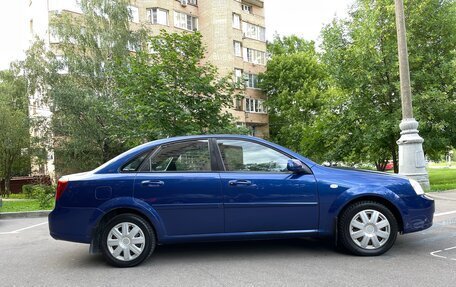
[420, 214]
[73, 224]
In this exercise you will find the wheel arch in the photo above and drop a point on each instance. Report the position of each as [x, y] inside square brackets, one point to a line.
[110, 211]
[376, 198]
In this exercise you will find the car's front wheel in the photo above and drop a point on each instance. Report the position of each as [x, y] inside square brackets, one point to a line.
[127, 240]
[367, 228]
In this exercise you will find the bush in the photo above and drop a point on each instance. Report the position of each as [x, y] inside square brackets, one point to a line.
[44, 194]
[27, 190]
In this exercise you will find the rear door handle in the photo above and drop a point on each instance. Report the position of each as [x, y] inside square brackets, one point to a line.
[239, 182]
[152, 183]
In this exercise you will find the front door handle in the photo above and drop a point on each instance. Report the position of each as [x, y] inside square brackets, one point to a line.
[239, 182]
[152, 183]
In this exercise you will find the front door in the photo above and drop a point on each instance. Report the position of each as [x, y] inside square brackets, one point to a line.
[260, 194]
[178, 181]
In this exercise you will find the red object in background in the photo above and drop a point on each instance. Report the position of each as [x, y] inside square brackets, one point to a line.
[389, 165]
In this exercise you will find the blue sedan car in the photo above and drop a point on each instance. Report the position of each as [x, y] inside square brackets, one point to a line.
[228, 187]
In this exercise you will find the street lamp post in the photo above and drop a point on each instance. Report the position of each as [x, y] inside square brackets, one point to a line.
[411, 156]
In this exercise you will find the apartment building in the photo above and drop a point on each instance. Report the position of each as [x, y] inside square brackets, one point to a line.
[233, 32]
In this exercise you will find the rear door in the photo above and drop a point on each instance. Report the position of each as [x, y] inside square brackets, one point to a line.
[260, 194]
[178, 181]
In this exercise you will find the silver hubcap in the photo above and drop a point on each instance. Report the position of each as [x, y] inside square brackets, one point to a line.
[370, 229]
[126, 241]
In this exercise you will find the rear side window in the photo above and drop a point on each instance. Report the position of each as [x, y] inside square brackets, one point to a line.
[245, 156]
[190, 156]
[135, 163]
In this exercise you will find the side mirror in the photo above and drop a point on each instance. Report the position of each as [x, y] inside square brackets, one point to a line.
[296, 166]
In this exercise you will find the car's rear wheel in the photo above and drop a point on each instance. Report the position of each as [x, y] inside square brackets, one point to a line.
[127, 240]
[367, 228]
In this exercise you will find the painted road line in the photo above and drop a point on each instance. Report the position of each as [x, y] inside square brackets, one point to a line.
[434, 253]
[444, 213]
[22, 229]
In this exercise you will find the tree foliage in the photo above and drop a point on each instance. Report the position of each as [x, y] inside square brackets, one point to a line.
[343, 104]
[170, 91]
[295, 82]
[14, 127]
[83, 92]
[111, 87]
[360, 54]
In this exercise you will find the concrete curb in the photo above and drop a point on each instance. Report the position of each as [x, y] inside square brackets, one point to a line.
[28, 214]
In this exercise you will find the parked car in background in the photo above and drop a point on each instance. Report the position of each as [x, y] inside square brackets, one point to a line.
[229, 187]
[389, 165]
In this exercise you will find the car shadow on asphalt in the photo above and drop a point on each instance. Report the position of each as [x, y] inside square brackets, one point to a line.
[233, 250]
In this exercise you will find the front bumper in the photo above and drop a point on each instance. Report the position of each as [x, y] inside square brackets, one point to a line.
[420, 213]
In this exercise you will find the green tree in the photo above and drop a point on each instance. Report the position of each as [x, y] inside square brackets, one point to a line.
[170, 90]
[77, 82]
[360, 53]
[296, 85]
[14, 128]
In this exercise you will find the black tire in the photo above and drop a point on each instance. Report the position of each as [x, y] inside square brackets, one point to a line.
[147, 248]
[345, 238]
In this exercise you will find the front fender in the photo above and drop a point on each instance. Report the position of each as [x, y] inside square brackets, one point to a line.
[353, 194]
[330, 208]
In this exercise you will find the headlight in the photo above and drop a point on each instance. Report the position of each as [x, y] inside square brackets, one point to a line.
[417, 187]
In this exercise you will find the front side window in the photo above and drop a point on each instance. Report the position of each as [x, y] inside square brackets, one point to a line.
[158, 16]
[191, 156]
[244, 156]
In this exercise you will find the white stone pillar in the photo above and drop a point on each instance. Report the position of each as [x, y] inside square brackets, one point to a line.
[411, 156]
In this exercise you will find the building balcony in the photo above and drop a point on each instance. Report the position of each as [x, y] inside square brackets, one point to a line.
[257, 3]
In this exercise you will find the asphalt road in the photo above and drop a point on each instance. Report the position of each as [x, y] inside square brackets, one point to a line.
[30, 257]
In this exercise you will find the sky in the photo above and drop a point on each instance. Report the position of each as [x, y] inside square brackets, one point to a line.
[304, 18]
[12, 30]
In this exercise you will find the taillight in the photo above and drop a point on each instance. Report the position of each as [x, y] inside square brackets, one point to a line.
[61, 186]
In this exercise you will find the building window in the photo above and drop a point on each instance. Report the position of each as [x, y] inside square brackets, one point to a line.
[254, 56]
[254, 106]
[247, 8]
[238, 76]
[237, 48]
[133, 13]
[254, 31]
[185, 21]
[61, 65]
[157, 16]
[238, 104]
[236, 21]
[188, 2]
[251, 81]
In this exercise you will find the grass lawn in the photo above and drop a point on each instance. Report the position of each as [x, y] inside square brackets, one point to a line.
[442, 179]
[22, 205]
